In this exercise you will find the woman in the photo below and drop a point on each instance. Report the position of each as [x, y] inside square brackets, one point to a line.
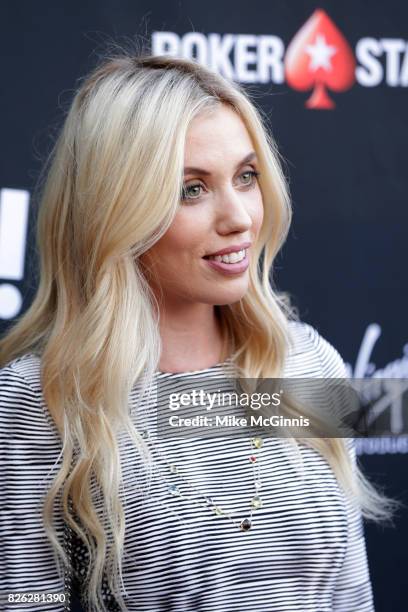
[161, 168]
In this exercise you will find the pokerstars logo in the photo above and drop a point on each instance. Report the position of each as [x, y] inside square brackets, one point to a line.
[319, 58]
[318, 61]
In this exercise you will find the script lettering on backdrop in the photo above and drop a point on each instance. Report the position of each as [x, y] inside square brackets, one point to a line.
[382, 394]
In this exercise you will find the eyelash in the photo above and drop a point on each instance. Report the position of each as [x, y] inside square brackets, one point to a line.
[184, 196]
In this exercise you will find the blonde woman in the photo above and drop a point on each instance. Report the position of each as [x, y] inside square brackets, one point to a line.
[163, 168]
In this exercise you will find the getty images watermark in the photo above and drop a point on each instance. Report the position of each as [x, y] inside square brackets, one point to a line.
[213, 401]
[286, 407]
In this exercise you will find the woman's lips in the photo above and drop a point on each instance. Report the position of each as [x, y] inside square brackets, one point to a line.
[229, 269]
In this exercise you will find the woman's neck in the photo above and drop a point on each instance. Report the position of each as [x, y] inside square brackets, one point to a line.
[191, 336]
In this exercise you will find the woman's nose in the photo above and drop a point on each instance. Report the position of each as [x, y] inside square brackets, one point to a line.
[232, 212]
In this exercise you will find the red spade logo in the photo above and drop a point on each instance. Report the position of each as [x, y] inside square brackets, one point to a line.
[319, 56]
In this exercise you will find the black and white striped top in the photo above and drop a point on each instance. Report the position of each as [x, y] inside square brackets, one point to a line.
[305, 552]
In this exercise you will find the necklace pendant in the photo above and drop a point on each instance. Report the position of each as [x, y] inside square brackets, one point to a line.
[256, 502]
[257, 442]
[245, 525]
[173, 489]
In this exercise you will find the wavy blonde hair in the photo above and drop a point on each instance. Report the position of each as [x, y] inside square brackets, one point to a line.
[112, 189]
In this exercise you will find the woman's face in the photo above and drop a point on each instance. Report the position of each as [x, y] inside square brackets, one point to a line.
[221, 208]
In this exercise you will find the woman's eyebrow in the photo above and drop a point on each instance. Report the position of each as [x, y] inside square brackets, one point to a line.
[193, 170]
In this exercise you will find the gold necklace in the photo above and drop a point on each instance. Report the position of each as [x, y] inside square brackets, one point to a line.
[208, 502]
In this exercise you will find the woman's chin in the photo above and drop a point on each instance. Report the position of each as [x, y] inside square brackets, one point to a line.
[228, 296]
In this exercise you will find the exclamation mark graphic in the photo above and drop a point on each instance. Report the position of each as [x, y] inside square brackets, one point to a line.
[14, 205]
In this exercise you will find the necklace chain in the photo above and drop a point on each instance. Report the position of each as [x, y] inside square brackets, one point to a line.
[207, 500]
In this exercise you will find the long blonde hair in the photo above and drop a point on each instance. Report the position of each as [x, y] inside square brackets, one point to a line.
[112, 189]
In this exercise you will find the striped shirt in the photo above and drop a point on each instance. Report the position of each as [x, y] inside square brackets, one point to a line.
[306, 548]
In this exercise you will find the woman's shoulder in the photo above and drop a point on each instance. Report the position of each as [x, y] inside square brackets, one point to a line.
[310, 354]
[30, 458]
[22, 407]
[26, 367]
[21, 376]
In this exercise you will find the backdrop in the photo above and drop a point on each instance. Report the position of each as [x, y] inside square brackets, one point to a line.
[333, 81]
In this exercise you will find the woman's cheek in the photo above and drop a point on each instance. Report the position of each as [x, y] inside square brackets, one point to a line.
[259, 212]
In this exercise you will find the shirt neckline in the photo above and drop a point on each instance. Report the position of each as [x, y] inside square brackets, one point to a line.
[189, 372]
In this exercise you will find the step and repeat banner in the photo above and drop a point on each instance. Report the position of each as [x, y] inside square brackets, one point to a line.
[332, 79]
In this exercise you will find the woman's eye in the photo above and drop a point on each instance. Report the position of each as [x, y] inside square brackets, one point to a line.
[194, 191]
[249, 176]
[191, 192]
